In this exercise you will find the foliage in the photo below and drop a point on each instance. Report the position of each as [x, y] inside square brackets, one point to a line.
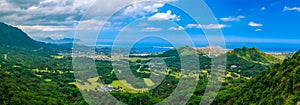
[278, 85]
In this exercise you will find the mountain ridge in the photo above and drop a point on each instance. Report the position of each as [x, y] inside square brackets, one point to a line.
[249, 61]
[14, 37]
[58, 41]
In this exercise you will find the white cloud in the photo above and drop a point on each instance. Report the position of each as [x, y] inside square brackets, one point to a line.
[151, 29]
[91, 24]
[39, 36]
[257, 30]
[44, 28]
[153, 8]
[231, 18]
[164, 16]
[263, 8]
[139, 9]
[45, 16]
[179, 28]
[252, 24]
[59, 7]
[193, 26]
[291, 9]
[37, 12]
[209, 26]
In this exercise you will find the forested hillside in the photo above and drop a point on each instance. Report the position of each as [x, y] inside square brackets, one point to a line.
[249, 61]
[278, 85]
[12, 36]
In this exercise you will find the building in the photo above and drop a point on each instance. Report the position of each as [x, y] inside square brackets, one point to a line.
[233, 66]
[107, 88]
[5, 56]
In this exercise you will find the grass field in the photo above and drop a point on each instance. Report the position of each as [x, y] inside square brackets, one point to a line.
[149, 82]
[57, 57]
[48, 80]
[281, 57]
[93, 84]
[128, 87]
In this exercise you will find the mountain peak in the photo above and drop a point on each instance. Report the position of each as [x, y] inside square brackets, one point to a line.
[13, 36]
[176, 51]
[58, 41]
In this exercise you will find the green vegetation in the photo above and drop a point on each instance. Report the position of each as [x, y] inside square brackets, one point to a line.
[31, 74]
[249, 61]
[21, 83]
[57, 71]
[11, 36]
[278, 85]
[183, 51]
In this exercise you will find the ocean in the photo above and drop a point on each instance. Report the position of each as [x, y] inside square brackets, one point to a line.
[161, 47]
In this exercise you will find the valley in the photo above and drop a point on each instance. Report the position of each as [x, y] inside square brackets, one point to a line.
[44, 74]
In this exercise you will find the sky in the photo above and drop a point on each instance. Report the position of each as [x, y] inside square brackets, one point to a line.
[243, 22]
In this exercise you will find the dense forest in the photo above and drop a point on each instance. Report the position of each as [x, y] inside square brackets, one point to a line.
[277, 85]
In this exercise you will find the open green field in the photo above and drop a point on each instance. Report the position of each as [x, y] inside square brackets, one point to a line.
[93, 84]
[149, 82]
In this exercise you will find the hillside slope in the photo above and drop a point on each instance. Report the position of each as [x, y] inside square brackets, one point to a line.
[278, 85]
[249, 61]
[12, 36]
[185, 50]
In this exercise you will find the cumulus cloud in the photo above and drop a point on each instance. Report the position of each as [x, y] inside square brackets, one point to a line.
[252, 24]
[42, 12]
[151, 29]
[164, 16]
[139, 9]
[39, 17]
[231, 18]
[209, 26]
[291, 9]
[91, 24]
[176, 28]
[23, 3]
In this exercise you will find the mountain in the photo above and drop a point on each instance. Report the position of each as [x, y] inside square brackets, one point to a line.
[253, 55]
[249, 61]
[276, 86]
[245, 61]
[12, 36]
[186, 50]
[58, 41]
[210, 50]
[13, 39]
[173, 60]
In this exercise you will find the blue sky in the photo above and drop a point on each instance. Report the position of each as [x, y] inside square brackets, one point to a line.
[279, 18]
[243, 22]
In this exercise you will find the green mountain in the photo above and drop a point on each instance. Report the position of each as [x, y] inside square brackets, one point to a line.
[276, 86]
[186, 50]
[253, 55]
[173, 60]
[14, 41]
[31, 73]
[13, 37]
[245, 61]
[249, 61]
